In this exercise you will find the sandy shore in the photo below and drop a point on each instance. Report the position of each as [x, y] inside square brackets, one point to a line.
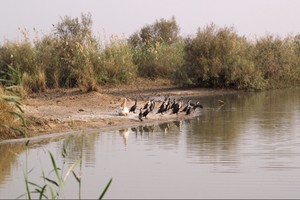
[69, 110]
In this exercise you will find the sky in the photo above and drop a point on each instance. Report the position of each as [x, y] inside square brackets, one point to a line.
[250, 18]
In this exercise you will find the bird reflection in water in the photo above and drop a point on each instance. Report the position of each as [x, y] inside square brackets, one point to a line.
[165, 127]
[124, 133]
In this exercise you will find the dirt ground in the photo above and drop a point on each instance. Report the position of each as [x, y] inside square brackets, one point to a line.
[71, 109]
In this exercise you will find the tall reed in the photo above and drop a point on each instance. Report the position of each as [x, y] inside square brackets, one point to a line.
[53, 183]
[12, 119]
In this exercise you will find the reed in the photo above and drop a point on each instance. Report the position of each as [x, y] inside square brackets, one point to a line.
[12, 119]
[157, 49]
[52, 184]
[115, 62]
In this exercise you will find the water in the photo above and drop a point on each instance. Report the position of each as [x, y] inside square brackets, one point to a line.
[247, 148]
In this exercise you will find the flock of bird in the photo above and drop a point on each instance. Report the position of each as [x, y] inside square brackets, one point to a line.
[167, 106]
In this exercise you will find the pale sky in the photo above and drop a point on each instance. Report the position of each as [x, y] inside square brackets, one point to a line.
[251, 18]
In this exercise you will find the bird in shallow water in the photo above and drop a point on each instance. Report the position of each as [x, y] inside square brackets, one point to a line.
[123, 110]
[132, 109]
[192, 107]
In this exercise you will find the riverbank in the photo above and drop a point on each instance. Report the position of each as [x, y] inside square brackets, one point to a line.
[64, 110]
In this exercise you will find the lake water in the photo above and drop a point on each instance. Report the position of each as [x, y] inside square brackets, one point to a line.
[247, 148]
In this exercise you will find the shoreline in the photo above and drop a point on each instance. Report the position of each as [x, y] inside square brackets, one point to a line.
[61, 112]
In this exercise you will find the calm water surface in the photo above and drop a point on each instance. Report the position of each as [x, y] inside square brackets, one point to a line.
[248, 148]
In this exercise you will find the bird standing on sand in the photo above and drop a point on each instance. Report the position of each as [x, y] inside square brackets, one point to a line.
[147, 104]
[132, 109]
[123, 110]
[152, 105]
[141, 114]
[177, 107]
[168, 105]
[186, 107]
[145, 113]
[162, 107]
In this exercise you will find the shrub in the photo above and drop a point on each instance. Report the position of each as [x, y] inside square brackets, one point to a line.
[73, 43]
[22, 55]
[115, 64]
[277, 60]
[157, 49]
[158, 60]
[217, 57]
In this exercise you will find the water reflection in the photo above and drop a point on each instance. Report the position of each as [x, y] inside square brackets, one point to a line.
[9, 155]
[229, 148]
[124, 133]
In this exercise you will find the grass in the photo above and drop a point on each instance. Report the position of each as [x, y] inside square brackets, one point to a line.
[54, 182]
[12, 120]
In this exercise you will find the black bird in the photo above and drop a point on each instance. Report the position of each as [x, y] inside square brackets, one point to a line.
[162, 107]
[141, 114]
[188, 110]
[197, 105]
[193, 106]
[132, 109]
[147, 104]
[168, 105]
[152, 105]
[177, 107]
[173, 104]
[186, 107]
[145, 113]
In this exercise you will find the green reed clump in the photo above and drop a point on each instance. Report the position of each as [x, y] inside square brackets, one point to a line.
[53, 183]
[22, 55]
[278, 60]
[72, 47]
[157, 49]
[114, 63]
[217, 58]
[12, 120]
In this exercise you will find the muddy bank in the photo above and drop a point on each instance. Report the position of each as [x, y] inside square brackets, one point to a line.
[72, 110]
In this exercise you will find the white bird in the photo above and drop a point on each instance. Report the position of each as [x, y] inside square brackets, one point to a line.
[123, 110]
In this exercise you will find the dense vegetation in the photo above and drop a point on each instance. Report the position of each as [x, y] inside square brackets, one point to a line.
[72, 56]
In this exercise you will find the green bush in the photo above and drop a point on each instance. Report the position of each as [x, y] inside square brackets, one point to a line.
[73, 45]
[217, 57]
[115, 62]
[158, 50]
[12, 121]
[276, 58]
